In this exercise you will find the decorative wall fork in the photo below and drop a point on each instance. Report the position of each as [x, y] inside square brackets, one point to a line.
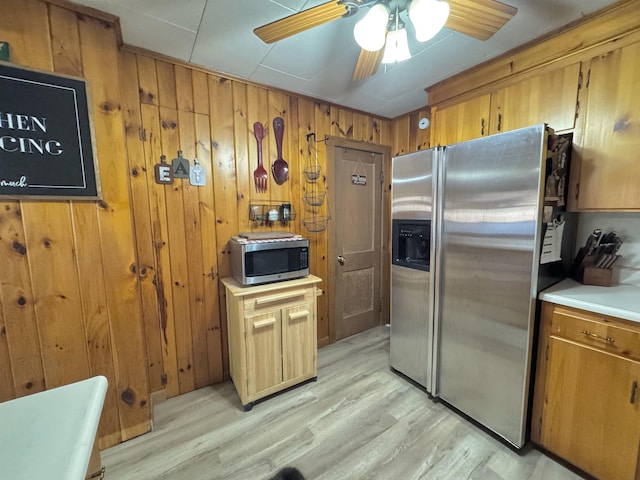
[259, 174]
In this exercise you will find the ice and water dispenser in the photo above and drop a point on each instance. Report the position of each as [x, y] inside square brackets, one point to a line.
[411, 244]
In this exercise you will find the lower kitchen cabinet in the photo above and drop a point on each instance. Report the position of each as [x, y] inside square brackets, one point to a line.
[586, 402]
[272, 336]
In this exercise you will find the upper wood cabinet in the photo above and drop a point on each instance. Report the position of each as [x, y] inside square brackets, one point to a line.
[549, 98]
[610, 164]
[463, 121]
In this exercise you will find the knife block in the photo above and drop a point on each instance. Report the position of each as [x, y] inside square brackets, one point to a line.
[602, 277]
[584, 270]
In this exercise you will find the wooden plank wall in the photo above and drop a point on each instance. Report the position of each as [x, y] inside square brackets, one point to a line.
[128, 287]
[69, 284]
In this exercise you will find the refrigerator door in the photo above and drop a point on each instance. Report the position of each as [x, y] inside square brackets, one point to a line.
[488, 261]
[412, 288]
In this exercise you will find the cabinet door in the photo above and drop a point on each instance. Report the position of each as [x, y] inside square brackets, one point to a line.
[609, 173]
[548, 98]
[591, 417]
[264, 346]
[299, 341]
[463, 121]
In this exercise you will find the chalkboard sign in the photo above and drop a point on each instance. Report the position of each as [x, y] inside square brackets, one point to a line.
[46, 141]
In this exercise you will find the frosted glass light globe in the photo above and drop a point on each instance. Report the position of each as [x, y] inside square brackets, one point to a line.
[371, 30]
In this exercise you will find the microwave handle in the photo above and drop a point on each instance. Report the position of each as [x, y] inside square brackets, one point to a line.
[280, 296]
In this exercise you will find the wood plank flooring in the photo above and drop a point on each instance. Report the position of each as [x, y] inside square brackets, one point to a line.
[358, 421]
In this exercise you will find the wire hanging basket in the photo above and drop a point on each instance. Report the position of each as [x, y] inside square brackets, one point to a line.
[312, 172]
[316, 223]
[312, 168]
[314, 198]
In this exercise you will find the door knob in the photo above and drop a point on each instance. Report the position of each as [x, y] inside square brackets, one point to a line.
[340, 259]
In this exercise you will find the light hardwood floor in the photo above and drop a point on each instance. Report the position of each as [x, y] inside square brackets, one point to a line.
[358, 421]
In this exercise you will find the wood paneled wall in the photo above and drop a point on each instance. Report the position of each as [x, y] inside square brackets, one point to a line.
[128, 287]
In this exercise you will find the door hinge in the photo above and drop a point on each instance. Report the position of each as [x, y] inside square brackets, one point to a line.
[546, 353]
[577, 109]
[588, 78]
[143, 134]
[580, 80]
[163, 379]
[380, 305]
[381, 177]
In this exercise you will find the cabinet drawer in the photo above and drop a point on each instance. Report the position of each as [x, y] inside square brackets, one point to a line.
[278, 299]
[596, 332]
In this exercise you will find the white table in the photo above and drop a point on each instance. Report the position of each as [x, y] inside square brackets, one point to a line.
[50, 434]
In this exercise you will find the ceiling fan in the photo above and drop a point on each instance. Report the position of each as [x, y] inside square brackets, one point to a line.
[477, 18]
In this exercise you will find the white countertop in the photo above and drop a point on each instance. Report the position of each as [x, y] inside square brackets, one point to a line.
[50, 434]
[622, 301]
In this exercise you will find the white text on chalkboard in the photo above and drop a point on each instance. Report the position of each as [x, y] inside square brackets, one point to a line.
[26, 123]
[15, 183]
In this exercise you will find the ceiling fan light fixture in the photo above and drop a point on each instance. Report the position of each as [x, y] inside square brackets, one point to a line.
[397, 48]
[428, 17]
[371, 30]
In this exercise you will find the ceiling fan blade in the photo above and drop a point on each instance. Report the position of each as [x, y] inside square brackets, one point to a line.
[301, 21]
[478, 18]
[368, 63]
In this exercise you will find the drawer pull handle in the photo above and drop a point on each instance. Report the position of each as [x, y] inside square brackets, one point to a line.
[593, 335]
[264, 323]
[297, 315]
[634, 388]
[280, 296]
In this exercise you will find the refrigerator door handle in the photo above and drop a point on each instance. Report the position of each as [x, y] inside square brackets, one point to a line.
[437, 253]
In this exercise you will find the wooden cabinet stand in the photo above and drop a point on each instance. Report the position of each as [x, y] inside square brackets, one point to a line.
[272, 336]
[586, 402]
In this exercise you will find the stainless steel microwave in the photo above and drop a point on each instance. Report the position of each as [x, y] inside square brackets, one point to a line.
[269, 260]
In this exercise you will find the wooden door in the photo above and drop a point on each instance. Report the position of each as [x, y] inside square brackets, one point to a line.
[299, 335]
[547, 98]
[609, 173]
[264, 351]
[592, 414]
[355, 249]
[463, 121]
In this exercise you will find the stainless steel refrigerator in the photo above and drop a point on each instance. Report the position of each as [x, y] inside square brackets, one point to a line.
[486, 201]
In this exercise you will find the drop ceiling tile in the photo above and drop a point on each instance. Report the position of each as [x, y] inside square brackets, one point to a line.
[156, 35]
[183, 13]
[232, 47]
[297, 5]
[268, 76]
[315, 50]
